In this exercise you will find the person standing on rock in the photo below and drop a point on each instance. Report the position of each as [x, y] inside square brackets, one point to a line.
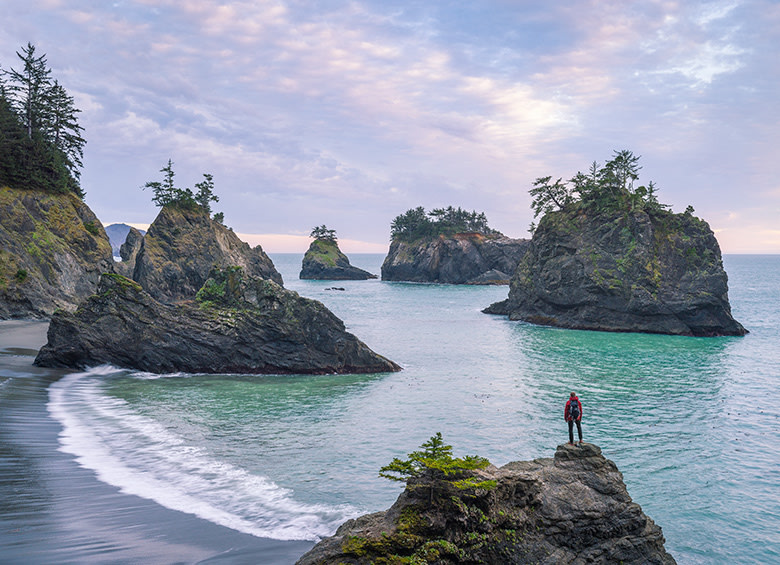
[572, 413]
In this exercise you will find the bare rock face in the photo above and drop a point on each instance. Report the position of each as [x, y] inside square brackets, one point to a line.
[324, 261]
[628, 272]
[128, 251]
[181, 247]
[467, 258]
[52, 252]
[571, 509]
[238, 324]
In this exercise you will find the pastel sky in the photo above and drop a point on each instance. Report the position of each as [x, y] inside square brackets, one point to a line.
[349, 113]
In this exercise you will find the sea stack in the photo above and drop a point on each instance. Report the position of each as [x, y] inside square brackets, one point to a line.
[325, 261]
[628, 271]
[573, 508]
[181, 247]
[236, 324]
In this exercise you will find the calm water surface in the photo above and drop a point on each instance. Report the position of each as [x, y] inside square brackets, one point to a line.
[693, 424]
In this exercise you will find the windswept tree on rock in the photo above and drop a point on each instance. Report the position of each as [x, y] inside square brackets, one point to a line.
[323, 233]
[166, 193]
[416, 223]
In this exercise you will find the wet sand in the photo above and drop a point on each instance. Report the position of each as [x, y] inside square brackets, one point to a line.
[54, 511]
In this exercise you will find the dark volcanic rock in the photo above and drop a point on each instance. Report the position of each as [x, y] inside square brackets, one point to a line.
[128, 251]
[239, 325]
[181, 247]
[52, 252]
[571, 509]
[117, 235]
[632, 272]
[324, 261]
[467, 258]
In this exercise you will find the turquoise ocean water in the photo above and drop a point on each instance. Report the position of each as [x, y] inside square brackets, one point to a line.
[693, 423]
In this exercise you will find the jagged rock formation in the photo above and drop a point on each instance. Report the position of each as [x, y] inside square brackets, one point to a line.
[52, 252]
[238, 324]
[181, 247]
[465, 258]
[324, 261]
[635, 272]
[128, 251]
[571, 509]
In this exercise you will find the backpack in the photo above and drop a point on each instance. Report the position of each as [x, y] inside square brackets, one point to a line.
[574, 409]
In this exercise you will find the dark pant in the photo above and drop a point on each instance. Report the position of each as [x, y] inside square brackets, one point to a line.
[571, 430]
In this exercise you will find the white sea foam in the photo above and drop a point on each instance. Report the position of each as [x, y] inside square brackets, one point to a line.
[141, 457]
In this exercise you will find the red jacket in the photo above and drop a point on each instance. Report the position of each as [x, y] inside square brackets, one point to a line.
[566, 408]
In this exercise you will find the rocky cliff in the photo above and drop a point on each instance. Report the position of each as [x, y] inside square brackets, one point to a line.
[52, 252]
[181, 247]
[466, 258]
[128, 251]
[238, 324]
[633, 272]
[324, 261]
[573, 508]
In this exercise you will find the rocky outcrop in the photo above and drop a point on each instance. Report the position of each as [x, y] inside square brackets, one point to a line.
[181, 247]
[465, 258]
[238, 324]
[324, 261]
[628, 272]
[128, 251]
[52, 252]
[571, 509]
[117, 235]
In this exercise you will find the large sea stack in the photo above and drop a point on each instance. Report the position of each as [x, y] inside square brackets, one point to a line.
[629, 271]
[571, 509]
[52, 252]
[462, 258]
[237, 324]
[181, 247]
[324, 261]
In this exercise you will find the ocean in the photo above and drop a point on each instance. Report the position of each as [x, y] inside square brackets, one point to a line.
[111, 465]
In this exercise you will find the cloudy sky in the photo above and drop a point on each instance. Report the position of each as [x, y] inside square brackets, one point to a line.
[349, 113]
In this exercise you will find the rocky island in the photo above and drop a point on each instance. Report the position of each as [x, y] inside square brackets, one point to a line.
[607, 256]
[324, 260]
[573, 508]
[237, 324]
[450, 246]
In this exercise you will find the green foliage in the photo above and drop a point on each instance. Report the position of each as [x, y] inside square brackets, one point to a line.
[601, 189]
[323, 233]
[91, 228]
[436, 459]
[20, 276]
[219, 217]
[416, 223]
[166, 193]
[222, 287]
[41, 146]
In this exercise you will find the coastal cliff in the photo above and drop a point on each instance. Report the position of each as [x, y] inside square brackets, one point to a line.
[181, 247]
[655, 272]
[462, 258]
[573, 508]
[237, 324]
[325, 261]
[52, 252]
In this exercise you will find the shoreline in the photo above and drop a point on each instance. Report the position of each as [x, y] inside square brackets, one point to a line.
[54, 510]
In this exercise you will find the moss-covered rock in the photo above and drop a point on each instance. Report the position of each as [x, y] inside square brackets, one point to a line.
[52, 252]
[571, 509]
[181, 247]
[656, 272]
[324, 261]
[237, 324]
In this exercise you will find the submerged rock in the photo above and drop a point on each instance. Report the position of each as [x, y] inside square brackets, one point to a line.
[571, 509]
[464, 258]
[654, 272]
[239, 324]
[324, 261]
[52, 252]
[181, 247]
